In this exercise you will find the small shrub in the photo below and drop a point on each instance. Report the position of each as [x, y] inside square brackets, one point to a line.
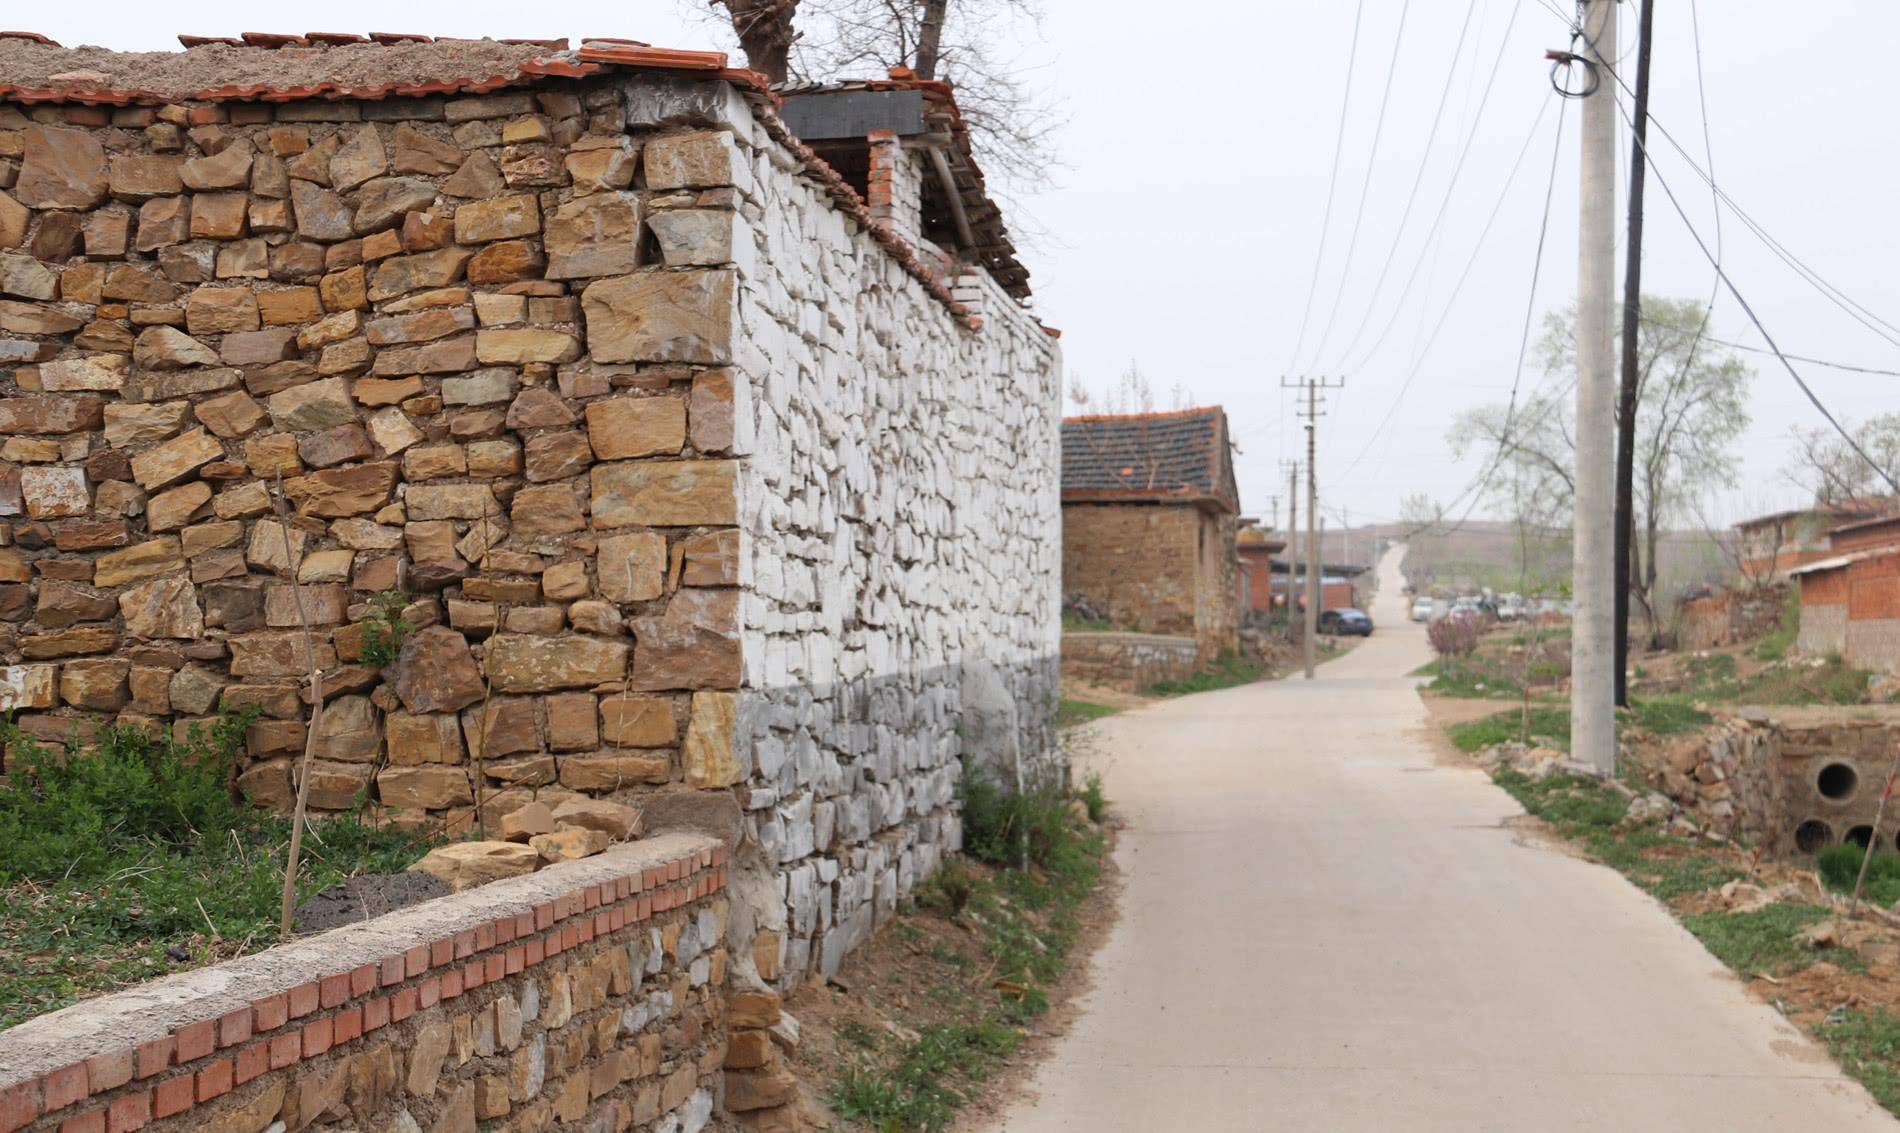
[1007, 828]
[74, 814]
[385, 628]
[1454, 637]
[950, 889]
[1092, 797]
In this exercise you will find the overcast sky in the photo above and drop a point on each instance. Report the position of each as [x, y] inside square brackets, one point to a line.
[1182, 232]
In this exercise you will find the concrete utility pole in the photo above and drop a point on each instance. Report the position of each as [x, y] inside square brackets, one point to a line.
[1292, 534]
[1313, 569]
[1593, 634]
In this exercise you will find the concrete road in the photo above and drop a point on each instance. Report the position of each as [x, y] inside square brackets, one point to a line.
[1322, 930]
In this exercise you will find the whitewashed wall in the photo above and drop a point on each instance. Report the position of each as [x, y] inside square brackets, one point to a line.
[901, 508]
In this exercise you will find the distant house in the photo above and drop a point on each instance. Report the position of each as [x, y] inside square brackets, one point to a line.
[1773, 545]
[1850, 597]
[1149, 506]
[1257, 549]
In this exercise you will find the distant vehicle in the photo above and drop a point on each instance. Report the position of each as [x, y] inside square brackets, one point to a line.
[1510, 610]
[1346, 622]
[1422, 610]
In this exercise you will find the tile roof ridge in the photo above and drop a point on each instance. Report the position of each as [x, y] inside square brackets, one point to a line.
[1208, 411]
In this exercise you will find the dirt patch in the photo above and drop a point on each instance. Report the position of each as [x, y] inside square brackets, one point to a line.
[925, 970]
[1103, 694]
[360, 898]
[180, 74]
[1441, 713]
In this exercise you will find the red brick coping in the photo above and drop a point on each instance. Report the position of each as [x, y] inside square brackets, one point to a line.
[159, 1048]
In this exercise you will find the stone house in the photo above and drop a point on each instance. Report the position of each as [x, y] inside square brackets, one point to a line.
[1149, 509]
[1850, 600]
[704, 484]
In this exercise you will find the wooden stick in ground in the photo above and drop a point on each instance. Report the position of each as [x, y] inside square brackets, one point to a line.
[316, 718]
[1873, 839]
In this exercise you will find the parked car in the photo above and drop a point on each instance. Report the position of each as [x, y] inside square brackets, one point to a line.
[1422, 610]
[1346, 622]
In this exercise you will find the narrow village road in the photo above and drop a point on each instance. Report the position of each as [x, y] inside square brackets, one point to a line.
[1322, 929]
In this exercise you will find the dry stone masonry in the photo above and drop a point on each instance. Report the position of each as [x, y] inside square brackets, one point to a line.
[691, 484]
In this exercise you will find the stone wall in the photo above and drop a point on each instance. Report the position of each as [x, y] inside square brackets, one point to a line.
[1139, 564]
[900, 512]
[1728, 617]
[479, 342]
[604, 389]
[583, 996]
[1729, 779]
[1132, 661]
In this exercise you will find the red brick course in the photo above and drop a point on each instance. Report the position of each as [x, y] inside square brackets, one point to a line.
[503, 947]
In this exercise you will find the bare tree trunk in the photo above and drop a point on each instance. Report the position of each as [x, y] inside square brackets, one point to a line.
[764, 28]
[930, 38]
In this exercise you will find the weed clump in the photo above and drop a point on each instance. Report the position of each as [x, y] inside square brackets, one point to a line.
[114, 851]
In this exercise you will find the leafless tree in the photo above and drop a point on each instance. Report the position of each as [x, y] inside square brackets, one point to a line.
[765, 32]
[1692, 407]
[1824, 463]
[970, 44]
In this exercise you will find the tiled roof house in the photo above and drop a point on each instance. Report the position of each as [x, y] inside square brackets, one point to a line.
[1149, 506]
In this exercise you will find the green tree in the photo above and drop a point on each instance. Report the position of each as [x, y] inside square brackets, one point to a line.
[1692, 407]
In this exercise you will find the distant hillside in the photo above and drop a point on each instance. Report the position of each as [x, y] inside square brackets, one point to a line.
[1495, 554]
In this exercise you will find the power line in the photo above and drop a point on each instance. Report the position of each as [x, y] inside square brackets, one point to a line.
[1450, 188]
[1750, 312]
[1365, 188]
[1793, 357]
[1418, 179]
[1851, 307]
[1419, 360]
[1524, 337]
[1332, 183]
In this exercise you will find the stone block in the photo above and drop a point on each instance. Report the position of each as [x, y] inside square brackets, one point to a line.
[676, 316]
[666, 493]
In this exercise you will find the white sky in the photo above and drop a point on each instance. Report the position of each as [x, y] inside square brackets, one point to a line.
[1182, 232]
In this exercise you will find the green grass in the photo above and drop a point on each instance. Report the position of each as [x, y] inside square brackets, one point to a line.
[1227, 671]
[1550, 722]
[1025, 915]
[1867, 1045]
[1072, 712]
[1840, 865]
[1762, 942]
[1663, 715]
[1468, 681]
[1072, 623]
[112, 854]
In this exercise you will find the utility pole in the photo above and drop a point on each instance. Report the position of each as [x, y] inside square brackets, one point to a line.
[1312, 593]
[1626, 391]
[1593, 644]
[1292, 539]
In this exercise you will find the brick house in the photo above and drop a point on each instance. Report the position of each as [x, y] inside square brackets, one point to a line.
[1850, 600]
[1256, 549]
[1772, 545]
[1149, 508]
[713, 480]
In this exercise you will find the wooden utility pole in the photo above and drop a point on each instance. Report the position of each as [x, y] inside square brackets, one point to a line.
[1626, 390]
[1593, 636]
